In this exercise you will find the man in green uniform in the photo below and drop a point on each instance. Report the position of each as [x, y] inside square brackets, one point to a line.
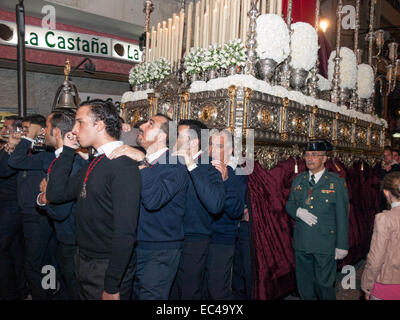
[319, 204]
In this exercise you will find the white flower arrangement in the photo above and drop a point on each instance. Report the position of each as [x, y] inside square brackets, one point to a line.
[272, 38]
[194, 61]
[212, 57]
[348, 68]
[149, 71]
[365, 81]
[233, 54]
[303, 46]
[323, 83]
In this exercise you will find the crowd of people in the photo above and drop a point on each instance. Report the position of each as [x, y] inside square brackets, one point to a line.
[164, 219]
[122, 222]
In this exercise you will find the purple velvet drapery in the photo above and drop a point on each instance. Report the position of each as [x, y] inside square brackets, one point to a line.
[272, 228]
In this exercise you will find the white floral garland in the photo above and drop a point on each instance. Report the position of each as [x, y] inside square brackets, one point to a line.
[194, 60]
[303, 46]
[272, 38]
[348, 68]
[365, 84]
[249, 81]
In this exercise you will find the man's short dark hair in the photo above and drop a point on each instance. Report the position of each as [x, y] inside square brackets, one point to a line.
[36, 119]
[107, 112]
[17, 121]
[165, 126]
[63, 120]
[387, 148]
[395, 150]
[194, 125]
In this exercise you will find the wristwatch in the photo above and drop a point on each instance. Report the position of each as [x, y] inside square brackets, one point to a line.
[144, 162]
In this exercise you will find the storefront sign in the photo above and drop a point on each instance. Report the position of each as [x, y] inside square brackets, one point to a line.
[64, 41]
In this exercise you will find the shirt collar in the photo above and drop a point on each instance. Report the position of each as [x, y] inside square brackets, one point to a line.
[154, 156]
[395, 204]
[108, 148]
[197, 154]
[316, 175]
[233, 162]
[58, 152]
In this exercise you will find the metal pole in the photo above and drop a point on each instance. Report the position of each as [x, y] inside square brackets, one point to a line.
[20, 13]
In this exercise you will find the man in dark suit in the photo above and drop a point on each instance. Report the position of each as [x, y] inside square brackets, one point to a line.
[58, 124]
[225, 224]
[39, 237]
[205, 199]
[11, 238]
[319, 204]
[162, 209]
[107, 206]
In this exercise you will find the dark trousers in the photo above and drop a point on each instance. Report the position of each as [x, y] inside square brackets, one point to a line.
[241, 273]
[155, 273]
[66, 260]
[90, 273]
[218, 275]
[12, 279]
[189, 280]
[315, 275]
[39, 240]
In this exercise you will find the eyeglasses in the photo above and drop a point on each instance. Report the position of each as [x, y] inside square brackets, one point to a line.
[313, 155]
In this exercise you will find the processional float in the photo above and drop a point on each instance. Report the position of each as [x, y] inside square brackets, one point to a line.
[238, 64]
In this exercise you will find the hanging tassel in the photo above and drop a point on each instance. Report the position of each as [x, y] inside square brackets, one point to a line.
[296, 169]
[362, 165]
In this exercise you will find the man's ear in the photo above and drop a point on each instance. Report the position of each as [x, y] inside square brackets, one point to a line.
[100, 126]
[57, 133]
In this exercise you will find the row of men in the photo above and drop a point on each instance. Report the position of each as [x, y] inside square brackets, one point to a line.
[128, 224]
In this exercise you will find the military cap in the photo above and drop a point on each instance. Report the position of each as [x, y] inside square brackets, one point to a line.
[319, 145]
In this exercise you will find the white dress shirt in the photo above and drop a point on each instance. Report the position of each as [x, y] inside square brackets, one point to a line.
[317, 175]
[154, 156]
[108, 148]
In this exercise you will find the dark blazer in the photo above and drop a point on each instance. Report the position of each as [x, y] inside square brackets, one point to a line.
[205, 198]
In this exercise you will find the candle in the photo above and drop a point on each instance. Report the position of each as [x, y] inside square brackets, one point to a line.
[209, 23]
[245, 21]
[158, 40]
[201, 29]
[197, 26]
[173, 46]
[214, 31]
[169, 39]
[279, 8]
[263, 6]
[164, 40]
[225, 22]
[147, 46]
[153, 42]
[271, 6]
[189, 28]
[181, 25]
[205, 31]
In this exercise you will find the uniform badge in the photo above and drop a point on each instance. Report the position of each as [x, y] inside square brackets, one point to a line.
[345, 184]
[297, 188]
[332, 186]
[24, 175]
[327, 191]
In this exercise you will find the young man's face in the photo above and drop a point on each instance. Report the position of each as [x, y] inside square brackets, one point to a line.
[150, 132]
[387, 156]
[49, 137]
[25, 127]
[395, 156]
[219, 148]
[85, 128]
[7, 127]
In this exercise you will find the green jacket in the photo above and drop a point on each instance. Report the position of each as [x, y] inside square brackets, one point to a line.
[330, 203]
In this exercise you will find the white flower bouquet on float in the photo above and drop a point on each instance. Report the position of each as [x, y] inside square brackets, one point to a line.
[365, 81]
[194, 62]
[272, 35]
[233, 56]
[149, 72]
[348, 68]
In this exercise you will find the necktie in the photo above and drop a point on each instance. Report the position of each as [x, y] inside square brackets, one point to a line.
[312, 181]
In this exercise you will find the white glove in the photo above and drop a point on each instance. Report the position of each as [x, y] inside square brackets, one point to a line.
[340, 254]
[306, 216]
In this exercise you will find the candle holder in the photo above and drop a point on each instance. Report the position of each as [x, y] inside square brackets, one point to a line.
[335, 95]
[285, 72]
[313, 82]
[251, 39]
